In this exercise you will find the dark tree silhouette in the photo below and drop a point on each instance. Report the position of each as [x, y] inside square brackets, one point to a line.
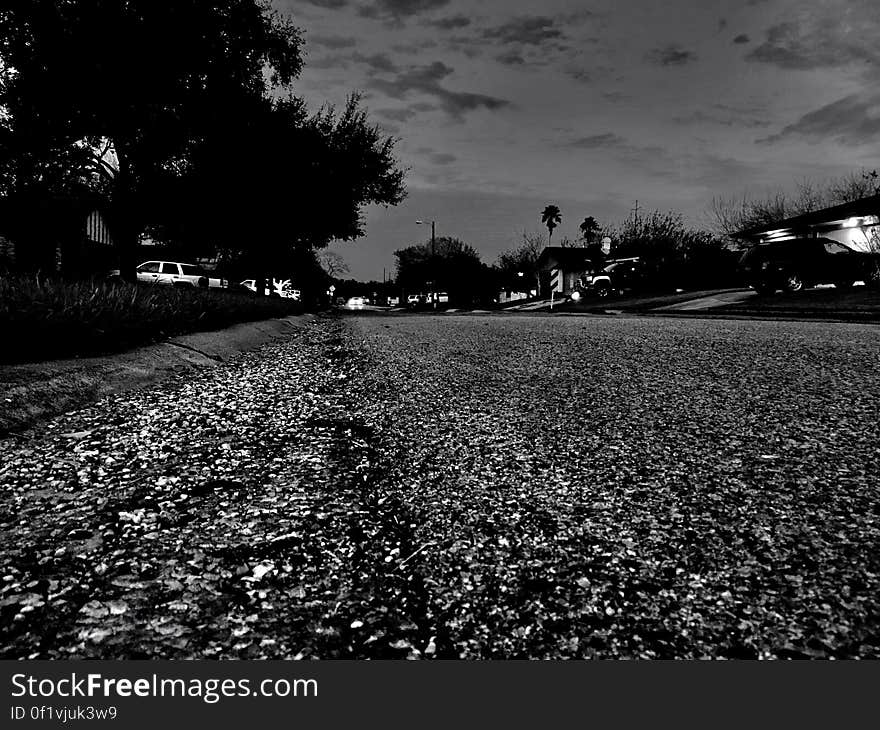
[518, 267]
[273, 178]
[119, 93]
[589, 228]
[551, 217]
[455, 267]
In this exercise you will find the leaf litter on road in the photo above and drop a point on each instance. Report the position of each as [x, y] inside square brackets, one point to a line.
[462, 487]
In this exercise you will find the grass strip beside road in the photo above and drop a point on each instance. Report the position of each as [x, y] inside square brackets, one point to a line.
[861, 304]
[43, 319]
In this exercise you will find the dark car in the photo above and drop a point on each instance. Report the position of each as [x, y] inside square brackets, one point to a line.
[797, 263]
[622, 275]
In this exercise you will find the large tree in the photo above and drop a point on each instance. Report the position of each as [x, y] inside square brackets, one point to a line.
[453, 266]
[120, 92]
[272, 179]
[518, 267]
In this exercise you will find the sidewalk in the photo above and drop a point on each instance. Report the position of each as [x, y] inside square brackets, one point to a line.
[31, 392]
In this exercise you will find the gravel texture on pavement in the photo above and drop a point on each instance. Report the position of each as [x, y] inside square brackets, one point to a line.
[462, 486]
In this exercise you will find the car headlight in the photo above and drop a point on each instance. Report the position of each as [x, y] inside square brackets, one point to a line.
[575, 296]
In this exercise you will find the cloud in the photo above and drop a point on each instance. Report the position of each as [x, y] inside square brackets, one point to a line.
[615, 97]
[331, 4]
[852, 120]
[691, 168]
[406, 113]
[530, 30]
[452, 22]
[580, 74]
[375, 63]
[511, 58]
[426, 80]
[724, 115]
[334, 42]
[672, 55]
[372, 63]
[828, 36]
[414, 48]
[395, 115]
[608, 140]
[397, 10]
[438, 158]
[334, 60]
[742, 38]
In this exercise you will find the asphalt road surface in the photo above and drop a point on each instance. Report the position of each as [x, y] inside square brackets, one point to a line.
[463, 486]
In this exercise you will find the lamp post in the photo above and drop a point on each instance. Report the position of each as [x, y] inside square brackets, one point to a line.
[433, 265]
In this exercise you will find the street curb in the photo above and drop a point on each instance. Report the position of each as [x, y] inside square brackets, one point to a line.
[32, 392]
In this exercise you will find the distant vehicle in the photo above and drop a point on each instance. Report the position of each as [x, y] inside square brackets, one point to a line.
[355, 303]
[621, 275]
[442, 298]
[798, 263]
[393, 301]
[175, 273]
[280, 288]
[414, 300]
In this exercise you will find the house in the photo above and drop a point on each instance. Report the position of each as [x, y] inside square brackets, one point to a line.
[560, 268]
[69, 236]
[855, 224]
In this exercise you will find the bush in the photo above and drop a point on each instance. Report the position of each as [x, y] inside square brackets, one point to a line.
[674, 254]
[43, 318]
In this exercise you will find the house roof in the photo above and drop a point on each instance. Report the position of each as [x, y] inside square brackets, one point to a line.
[563, 257]
[826, 216]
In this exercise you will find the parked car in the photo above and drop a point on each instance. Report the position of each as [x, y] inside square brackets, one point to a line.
[798, 263]
[414, 300]
[355, 303]
[621, 275]
[175, 273]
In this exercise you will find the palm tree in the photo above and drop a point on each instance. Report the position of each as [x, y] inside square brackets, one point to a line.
[589, 228]
[551, 217]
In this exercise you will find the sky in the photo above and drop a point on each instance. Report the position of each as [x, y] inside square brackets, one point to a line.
[502, 107]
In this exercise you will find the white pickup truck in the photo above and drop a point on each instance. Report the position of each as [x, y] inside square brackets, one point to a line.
[280, 288]
[174, 273]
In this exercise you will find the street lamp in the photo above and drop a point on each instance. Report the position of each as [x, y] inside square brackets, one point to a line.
[433, 264]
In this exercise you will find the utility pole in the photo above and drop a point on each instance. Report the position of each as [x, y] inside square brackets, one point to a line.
[433, 264]
[433, 269]
[635, 211]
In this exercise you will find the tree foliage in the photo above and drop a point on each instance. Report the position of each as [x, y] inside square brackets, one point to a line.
[453, 266]
[675, 254]
[273, 177]
[729, 217]
[589, 229]
[518, 267]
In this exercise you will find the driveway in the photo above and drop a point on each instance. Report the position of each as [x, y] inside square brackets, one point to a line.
[710, 302]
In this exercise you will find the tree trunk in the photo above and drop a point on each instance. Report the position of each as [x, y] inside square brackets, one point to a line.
[126, 228]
